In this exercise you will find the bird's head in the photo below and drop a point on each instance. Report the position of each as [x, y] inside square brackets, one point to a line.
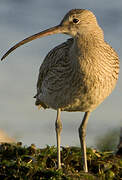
[76, 22]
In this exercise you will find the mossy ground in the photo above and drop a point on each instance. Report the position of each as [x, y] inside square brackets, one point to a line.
[31, 163]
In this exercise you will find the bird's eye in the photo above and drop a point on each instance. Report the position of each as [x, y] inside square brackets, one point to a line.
[75, 20]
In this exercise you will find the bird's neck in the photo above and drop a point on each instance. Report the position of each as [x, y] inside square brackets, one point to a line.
[87, 42]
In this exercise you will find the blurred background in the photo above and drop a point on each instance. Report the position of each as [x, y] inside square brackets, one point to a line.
[19, 117]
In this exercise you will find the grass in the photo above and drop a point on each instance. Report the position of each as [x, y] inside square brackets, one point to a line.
[31, 163]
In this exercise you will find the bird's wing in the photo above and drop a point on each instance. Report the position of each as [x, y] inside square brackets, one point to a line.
[53, 58]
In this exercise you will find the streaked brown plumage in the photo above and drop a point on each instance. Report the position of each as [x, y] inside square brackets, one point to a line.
[78, 74]
[79, 85]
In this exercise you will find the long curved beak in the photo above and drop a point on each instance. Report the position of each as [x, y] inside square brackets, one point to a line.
[53, 30]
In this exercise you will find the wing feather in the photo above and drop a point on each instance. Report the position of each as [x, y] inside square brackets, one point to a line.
[54, 58]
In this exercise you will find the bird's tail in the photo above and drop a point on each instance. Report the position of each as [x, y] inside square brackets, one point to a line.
[39, 103]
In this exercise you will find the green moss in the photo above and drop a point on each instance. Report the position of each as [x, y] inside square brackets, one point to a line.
[18, 162]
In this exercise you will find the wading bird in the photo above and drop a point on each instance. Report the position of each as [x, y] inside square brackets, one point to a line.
[78, 74]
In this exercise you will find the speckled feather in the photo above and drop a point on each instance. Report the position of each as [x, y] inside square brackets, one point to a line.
[78, 74]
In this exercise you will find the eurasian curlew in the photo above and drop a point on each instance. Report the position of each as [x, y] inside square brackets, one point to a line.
[78, 74]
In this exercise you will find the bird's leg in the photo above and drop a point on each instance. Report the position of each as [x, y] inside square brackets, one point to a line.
[82, 134]
[58, 127]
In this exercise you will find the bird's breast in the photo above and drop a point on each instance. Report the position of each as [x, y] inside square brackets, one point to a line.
[80, 83]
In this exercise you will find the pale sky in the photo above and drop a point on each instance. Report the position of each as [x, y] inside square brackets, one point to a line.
[19, 117]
